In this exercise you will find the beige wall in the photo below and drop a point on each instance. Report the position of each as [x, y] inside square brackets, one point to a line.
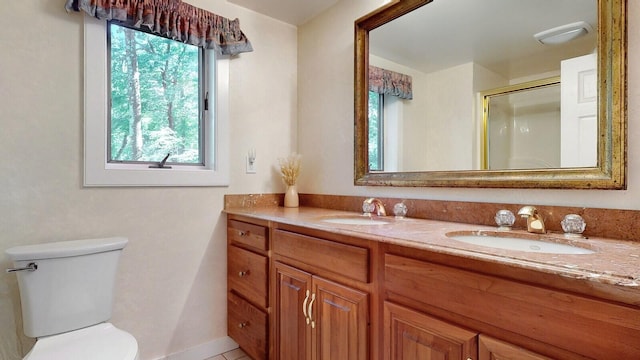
[171, 284]
[325, 121]
[451, 108]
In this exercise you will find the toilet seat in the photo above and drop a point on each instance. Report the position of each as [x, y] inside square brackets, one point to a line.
[98, 342]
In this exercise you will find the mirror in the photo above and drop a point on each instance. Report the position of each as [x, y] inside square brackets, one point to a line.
[429, 160]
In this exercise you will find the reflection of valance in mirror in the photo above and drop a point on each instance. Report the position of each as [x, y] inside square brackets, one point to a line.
[389, 82]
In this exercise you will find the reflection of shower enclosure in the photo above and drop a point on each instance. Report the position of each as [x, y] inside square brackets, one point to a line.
[522, 126]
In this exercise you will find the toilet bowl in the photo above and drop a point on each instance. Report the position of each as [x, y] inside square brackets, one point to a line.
[66, 292]
[98, 342]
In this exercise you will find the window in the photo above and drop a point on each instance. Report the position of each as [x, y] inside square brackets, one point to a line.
[376, 131]
[157, 98]
[146, 97]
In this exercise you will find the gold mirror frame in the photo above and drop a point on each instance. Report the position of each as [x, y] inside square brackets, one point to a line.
[612, 116]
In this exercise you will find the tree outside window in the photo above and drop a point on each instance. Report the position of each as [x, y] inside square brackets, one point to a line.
[156, 98]
[376, 132]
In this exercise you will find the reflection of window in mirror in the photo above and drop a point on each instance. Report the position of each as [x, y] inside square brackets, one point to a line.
[389, 92]
[386, 129]
[394, 128]
[376, 131]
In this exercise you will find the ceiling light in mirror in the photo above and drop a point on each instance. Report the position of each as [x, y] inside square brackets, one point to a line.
[563, 34]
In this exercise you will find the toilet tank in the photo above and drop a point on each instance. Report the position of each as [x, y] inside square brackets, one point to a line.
[72, 287]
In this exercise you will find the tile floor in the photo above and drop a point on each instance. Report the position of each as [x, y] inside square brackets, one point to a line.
[236, 354]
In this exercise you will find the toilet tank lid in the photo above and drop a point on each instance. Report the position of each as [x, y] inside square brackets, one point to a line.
[66, 248]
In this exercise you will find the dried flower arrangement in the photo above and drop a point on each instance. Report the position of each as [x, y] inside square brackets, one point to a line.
[290, 168]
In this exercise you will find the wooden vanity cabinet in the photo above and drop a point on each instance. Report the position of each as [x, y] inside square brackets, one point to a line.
[248, 286]
[315, 316]
[426, 301]
[298, 293]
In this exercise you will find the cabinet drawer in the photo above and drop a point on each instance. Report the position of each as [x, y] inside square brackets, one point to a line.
[347, 260]
[247, 325]
[247, 234]
[247, 275]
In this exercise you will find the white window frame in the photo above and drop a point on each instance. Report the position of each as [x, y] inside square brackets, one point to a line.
[98, 172]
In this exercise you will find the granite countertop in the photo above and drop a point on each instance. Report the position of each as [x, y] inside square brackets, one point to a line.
[614, 263]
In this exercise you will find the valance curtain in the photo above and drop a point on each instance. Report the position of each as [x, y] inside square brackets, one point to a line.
[172, 19]
[389, 82]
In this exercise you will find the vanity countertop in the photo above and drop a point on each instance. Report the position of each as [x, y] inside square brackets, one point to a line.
[615, 264]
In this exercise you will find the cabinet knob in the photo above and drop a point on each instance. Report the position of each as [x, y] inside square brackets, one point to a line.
[244, 324]
[243, 273]
[244, 233]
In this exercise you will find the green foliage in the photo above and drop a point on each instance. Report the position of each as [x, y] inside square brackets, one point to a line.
[375, 133]
[169, 93]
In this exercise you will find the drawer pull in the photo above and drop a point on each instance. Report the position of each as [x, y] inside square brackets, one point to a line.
[304, 307]
[310, 318]
[244, 233]
[243, 273]
[243, 325]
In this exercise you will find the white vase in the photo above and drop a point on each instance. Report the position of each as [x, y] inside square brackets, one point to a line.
[291, 199]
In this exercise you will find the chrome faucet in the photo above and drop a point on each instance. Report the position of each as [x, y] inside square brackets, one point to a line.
[535, 224]
[373, 204]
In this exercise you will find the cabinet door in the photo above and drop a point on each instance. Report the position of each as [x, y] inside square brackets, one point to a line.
[292, 295]
[339, 321]
[411, 335]
[491, 348]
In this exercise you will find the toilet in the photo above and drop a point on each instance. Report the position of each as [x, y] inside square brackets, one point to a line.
[66, 292]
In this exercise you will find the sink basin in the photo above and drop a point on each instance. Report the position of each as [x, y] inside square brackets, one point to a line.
[354, 220]
[518, 242]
